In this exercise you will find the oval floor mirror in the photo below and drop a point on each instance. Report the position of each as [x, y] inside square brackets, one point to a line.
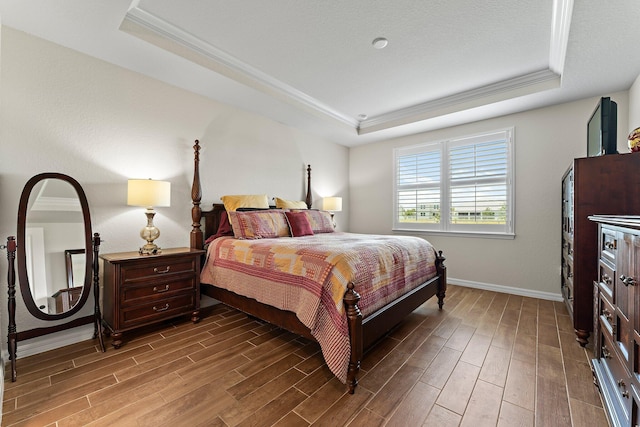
[57, 258]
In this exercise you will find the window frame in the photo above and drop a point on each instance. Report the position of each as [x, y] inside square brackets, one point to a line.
[445, 227]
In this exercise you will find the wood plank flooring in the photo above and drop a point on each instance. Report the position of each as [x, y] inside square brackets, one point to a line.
[487, 359]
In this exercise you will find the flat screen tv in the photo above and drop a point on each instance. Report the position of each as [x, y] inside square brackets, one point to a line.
[602, 129]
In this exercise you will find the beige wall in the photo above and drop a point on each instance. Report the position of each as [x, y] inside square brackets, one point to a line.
[63, 111]
[634, 105]
[545, 142]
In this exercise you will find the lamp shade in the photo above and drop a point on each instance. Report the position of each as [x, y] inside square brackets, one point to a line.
[148, 193]
[333, 204]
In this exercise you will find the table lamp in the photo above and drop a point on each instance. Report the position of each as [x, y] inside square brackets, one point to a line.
[149, 193]
[332, 204]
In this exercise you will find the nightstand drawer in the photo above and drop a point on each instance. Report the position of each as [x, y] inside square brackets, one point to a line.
[160, 309]
[131, 295]
[156, 268]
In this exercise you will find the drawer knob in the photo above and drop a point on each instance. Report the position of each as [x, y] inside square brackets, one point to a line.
[166, 270]
[159, 309]
[605, 353]
[607, 314]
[610, 245]
[628, 281]
[606, 279]
[159, 290]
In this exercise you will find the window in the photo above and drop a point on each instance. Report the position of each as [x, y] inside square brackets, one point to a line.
[462, 185]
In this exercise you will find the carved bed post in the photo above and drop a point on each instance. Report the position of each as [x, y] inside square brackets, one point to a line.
[308, 200]
[11, 280]
[354, 320]
[197, 240]
[442, 283]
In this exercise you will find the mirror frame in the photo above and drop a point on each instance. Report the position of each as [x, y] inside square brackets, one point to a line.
[25, 290]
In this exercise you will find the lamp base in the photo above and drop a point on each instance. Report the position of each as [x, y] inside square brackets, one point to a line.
[150, 233]
[150, 249]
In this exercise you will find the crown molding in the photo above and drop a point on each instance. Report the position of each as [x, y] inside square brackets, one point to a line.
[63, 204]
[560, 25]
[165, 35]
[500, 91]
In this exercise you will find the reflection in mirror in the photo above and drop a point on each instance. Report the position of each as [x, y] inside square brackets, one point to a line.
[54, 223]
[74, 262]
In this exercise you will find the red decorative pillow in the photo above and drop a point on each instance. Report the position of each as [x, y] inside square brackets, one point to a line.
[224, 228]
[299, 224]
[320, 221]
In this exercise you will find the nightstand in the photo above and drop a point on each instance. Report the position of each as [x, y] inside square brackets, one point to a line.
[144, 289]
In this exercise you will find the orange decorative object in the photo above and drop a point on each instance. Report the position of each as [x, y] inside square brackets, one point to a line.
[634, 140]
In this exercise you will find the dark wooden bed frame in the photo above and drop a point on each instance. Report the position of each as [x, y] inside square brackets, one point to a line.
[363, 333]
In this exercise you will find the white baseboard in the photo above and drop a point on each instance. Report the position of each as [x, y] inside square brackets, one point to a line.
[506, 289]
[52, 341]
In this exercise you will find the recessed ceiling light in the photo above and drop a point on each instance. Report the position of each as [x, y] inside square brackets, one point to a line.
[362, 117]
[380, 42]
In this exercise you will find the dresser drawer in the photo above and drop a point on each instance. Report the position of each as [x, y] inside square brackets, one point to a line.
[155, 310]
[607, 277]
[608, 245]
[156, 268]
[132, 295]
[619, 380]
[606, 314]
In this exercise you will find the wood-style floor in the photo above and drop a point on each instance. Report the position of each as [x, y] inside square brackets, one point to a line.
[487, 359]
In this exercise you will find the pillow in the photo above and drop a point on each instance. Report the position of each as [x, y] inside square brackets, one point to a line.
[233, 202]
[224, 228]
[290, 204]
[299, 224]
[259, 224]
[320, 221]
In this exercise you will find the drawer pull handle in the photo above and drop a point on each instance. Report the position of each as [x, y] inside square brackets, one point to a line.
[166, 270]
[165, 308]
[628, 281]
[165, 289]
[605, 353]
[607, 314]
[606, 279]
[610, 245]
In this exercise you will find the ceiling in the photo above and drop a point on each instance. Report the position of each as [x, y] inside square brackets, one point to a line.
[312, 65]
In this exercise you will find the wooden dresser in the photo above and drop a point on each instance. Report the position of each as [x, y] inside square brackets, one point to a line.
[144, 289]
[605, 185]
[616, 365]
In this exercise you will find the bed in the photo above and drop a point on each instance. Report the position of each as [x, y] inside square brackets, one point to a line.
[343, 290]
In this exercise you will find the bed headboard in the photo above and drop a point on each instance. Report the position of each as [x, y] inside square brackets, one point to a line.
[211, 218]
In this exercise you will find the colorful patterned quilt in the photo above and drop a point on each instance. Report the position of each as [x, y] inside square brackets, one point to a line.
[309, 276]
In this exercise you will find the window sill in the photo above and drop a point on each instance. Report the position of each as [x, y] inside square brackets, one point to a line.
[479, 234]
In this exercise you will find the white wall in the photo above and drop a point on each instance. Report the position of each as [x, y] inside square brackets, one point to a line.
[63, 111]
[634, 105]
[546, 140]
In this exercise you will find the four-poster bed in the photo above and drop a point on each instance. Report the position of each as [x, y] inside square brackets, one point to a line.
[361, 330]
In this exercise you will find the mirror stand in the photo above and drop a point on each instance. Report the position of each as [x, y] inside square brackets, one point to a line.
[14, 336]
